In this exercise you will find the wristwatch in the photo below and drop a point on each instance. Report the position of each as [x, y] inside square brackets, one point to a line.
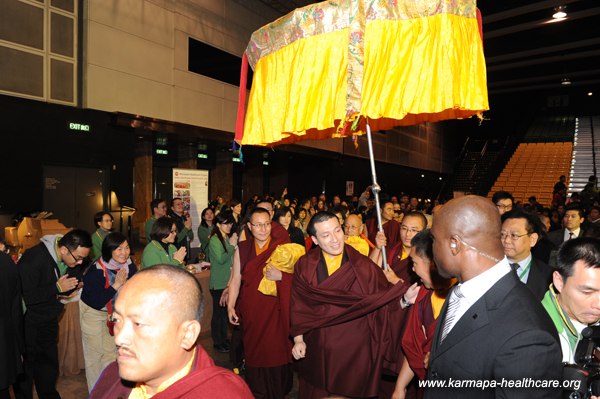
[404, 302]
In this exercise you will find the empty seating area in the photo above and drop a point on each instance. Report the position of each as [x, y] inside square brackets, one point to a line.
[533, 169]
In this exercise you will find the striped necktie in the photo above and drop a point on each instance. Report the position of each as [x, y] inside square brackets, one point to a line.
[453, 306]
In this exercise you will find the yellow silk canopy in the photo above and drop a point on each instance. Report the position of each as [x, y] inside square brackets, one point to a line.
[321, 70]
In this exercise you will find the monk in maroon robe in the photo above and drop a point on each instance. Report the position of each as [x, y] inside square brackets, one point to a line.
[264, 319]
[158, 313]
[400, 266]
[422, 318]
[391, 228]
[342, 306]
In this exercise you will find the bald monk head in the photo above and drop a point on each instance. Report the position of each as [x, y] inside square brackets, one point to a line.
[466, 233]
[158, 313]
[353, 226]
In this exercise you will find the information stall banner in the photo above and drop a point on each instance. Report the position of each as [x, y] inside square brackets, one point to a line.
[191, 186]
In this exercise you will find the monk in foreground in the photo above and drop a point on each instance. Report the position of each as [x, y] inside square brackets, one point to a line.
[157, 315]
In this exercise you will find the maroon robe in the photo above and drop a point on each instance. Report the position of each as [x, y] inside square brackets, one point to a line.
[265, 319]
[345, 321]
[418, 334]
[204, 381]
[403, 269]
[390, 228]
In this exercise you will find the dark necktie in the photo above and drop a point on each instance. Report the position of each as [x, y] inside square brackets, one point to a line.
[571, 236]
[514, 267]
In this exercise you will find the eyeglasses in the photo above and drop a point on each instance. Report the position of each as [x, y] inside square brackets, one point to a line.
[506, 207]
[260, 225]
[77, 258]
[406, 230]
[512, 236]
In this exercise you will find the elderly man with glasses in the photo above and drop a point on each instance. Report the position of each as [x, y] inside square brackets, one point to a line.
[521, 231]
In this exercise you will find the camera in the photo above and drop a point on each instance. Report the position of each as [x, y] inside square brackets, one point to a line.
[586, 369]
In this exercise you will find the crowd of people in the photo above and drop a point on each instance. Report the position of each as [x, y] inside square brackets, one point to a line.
[315, 286]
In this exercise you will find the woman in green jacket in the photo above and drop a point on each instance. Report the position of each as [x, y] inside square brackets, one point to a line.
[221, 248]
[204, 230]
[161, 251]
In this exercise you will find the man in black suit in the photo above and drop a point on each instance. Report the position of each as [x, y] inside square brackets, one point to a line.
[572, 220]
[521, 231]
[48, 271]
[493, 338]
[11, 324]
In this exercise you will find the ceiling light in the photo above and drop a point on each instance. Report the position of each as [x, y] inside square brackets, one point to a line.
[560, 12]
[590, 94]
[565, 81]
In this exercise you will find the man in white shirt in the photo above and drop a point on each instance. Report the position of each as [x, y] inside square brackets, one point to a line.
[572, 226]
[491, 328]
[573, 301]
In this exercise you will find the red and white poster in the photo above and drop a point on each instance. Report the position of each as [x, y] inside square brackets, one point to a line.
[191, 185]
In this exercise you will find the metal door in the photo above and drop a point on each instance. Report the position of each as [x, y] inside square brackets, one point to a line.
[74, 195]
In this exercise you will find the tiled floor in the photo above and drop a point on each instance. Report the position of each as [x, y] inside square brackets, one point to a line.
[75, 387]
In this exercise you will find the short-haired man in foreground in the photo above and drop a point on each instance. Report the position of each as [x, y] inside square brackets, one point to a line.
[573, 301]
[157, 314]
[342, 309]
[491, 327]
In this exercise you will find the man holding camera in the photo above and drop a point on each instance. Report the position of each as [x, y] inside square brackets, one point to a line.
[573, 301]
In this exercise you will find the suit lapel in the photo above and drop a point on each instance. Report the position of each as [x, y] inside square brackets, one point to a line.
[475, 318]
[534, 281]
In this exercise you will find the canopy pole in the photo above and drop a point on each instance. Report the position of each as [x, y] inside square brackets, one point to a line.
[376, 190]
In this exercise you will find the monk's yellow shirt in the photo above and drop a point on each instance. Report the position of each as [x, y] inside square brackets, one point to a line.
[140, 391]
[333, 263]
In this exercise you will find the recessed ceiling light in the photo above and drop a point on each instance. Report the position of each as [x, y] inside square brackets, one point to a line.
[565, 81]
[590, 93]
[560, 12]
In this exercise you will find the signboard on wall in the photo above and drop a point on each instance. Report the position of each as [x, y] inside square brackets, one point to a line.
[349, 188]
[191, 186]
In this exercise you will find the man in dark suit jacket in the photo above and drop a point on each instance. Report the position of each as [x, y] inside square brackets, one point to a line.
[11, 324]
[48, 270]
[493, 338]
[521, 231]
[572, 221]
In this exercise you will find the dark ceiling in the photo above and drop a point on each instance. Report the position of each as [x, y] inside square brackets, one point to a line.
[528, 56]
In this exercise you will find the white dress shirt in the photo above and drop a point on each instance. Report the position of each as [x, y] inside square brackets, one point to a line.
[476, 287]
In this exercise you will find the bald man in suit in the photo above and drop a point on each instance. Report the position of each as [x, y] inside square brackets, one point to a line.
[491, 329]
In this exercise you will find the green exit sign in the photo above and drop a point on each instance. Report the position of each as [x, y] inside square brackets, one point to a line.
[79, 127]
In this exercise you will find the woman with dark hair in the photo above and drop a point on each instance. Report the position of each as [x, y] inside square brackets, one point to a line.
[161, 251]
[100, 285]
[221, 248]
[422, 319]
[283, 216]
[205, 228]
[103, 221]
[236, 211]
[302, 220]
